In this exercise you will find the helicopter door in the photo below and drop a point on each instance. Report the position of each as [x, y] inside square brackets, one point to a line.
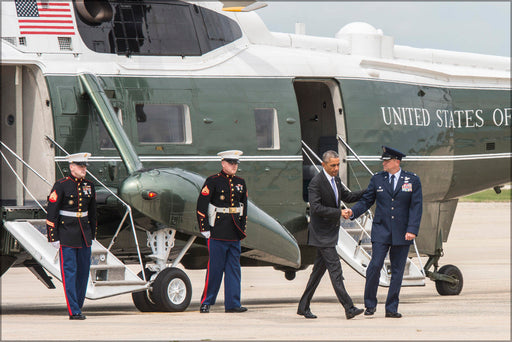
[321, 119]
[26, 118]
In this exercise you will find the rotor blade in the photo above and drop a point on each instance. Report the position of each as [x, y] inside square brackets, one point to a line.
[242, 6]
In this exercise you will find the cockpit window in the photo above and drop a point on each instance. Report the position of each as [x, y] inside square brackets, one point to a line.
[158, 28]
[163, 123]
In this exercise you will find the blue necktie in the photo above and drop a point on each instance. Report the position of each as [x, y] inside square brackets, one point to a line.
[335, 190]
[392, 183]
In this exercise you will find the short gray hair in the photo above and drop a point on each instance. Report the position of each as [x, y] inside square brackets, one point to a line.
[328, 155]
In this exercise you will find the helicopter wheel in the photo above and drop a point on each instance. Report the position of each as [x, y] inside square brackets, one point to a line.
[445, 288]
[172, 290]
[142, 300]
[290, 275]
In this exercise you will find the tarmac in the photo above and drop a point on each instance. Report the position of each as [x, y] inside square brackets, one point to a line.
[479, 245]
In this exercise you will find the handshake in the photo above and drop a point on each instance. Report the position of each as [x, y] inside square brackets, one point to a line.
[346, 213]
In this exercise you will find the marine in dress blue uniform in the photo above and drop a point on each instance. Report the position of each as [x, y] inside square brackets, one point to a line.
[71, 227]
[222, 219]
[395, 224]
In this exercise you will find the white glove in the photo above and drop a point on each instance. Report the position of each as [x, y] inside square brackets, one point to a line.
[56, 244]
[206, 234]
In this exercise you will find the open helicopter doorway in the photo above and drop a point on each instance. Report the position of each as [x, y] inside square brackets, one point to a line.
[321, 119]
[26, 118]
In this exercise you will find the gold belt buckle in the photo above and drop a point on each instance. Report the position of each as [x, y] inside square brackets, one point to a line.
[79, 214]
[232, 210]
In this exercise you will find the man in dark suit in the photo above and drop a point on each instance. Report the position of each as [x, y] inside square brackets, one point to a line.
[325, 193]
[395, 225]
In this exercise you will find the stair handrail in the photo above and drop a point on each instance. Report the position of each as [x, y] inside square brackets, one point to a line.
[18, 177]
[128, 212]
[371, 173]
[25, 163]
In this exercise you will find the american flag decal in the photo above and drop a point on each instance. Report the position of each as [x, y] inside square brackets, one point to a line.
[42, 17]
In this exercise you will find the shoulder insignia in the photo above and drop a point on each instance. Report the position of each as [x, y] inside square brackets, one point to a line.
[53, 197]
[205, 191]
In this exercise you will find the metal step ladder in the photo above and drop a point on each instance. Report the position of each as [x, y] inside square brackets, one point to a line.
[108, 275]
[355, 248]
[354, 242]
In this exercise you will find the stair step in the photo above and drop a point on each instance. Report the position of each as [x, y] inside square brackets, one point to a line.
[107, 267]
[118, 282]
[366, 246]
[411, 277]
[353, 230]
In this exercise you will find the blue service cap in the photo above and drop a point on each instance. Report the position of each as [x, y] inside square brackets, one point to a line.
[390, 153]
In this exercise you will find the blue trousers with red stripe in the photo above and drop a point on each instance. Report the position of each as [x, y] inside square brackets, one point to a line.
[224, 259]
[74, 267]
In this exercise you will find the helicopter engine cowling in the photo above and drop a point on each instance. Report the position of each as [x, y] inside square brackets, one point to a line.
[169, 196]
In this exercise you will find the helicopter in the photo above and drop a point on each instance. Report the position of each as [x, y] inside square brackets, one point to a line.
[154, 89]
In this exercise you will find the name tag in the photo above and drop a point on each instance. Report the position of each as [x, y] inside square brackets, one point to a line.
[407, 187]
[380, 189]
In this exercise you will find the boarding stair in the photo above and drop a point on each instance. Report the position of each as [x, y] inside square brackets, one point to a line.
[108, 275]
[354, 243]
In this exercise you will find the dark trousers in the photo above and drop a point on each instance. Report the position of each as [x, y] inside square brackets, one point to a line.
[224, 259]
[326, 259]
[398, 259]
[74, 267]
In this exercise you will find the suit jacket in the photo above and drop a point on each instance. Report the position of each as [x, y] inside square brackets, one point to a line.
[325, 212]
[397, 212]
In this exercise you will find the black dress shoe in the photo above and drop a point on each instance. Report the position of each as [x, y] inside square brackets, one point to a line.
[307, 313]
[370, 311]
[393, 314]
[353, 312]
[205, 308]
[77, 316]
[240, 309]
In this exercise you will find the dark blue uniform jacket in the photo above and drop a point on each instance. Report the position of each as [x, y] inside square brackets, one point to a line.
[397, 212]
[223, 191]
[73, 195]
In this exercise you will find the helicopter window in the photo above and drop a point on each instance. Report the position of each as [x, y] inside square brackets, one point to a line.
[267, 131]
[163, 123]
[156, 28]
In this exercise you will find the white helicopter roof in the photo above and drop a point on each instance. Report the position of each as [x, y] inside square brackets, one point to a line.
[358, 50]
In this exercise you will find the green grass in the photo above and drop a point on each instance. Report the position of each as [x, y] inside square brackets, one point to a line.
[489, 196]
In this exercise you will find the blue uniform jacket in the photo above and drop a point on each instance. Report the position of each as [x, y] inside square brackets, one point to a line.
[397, 213]
[73, 195]
[223, 191]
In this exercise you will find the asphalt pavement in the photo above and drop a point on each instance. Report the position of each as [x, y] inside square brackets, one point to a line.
[479, 244]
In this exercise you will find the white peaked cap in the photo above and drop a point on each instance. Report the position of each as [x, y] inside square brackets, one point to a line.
[81, 157]
[230, 154]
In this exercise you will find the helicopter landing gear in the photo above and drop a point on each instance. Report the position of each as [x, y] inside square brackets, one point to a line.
[143, 299]
[454, 285]
[290, 275]
[448, 279]
[171, 289]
